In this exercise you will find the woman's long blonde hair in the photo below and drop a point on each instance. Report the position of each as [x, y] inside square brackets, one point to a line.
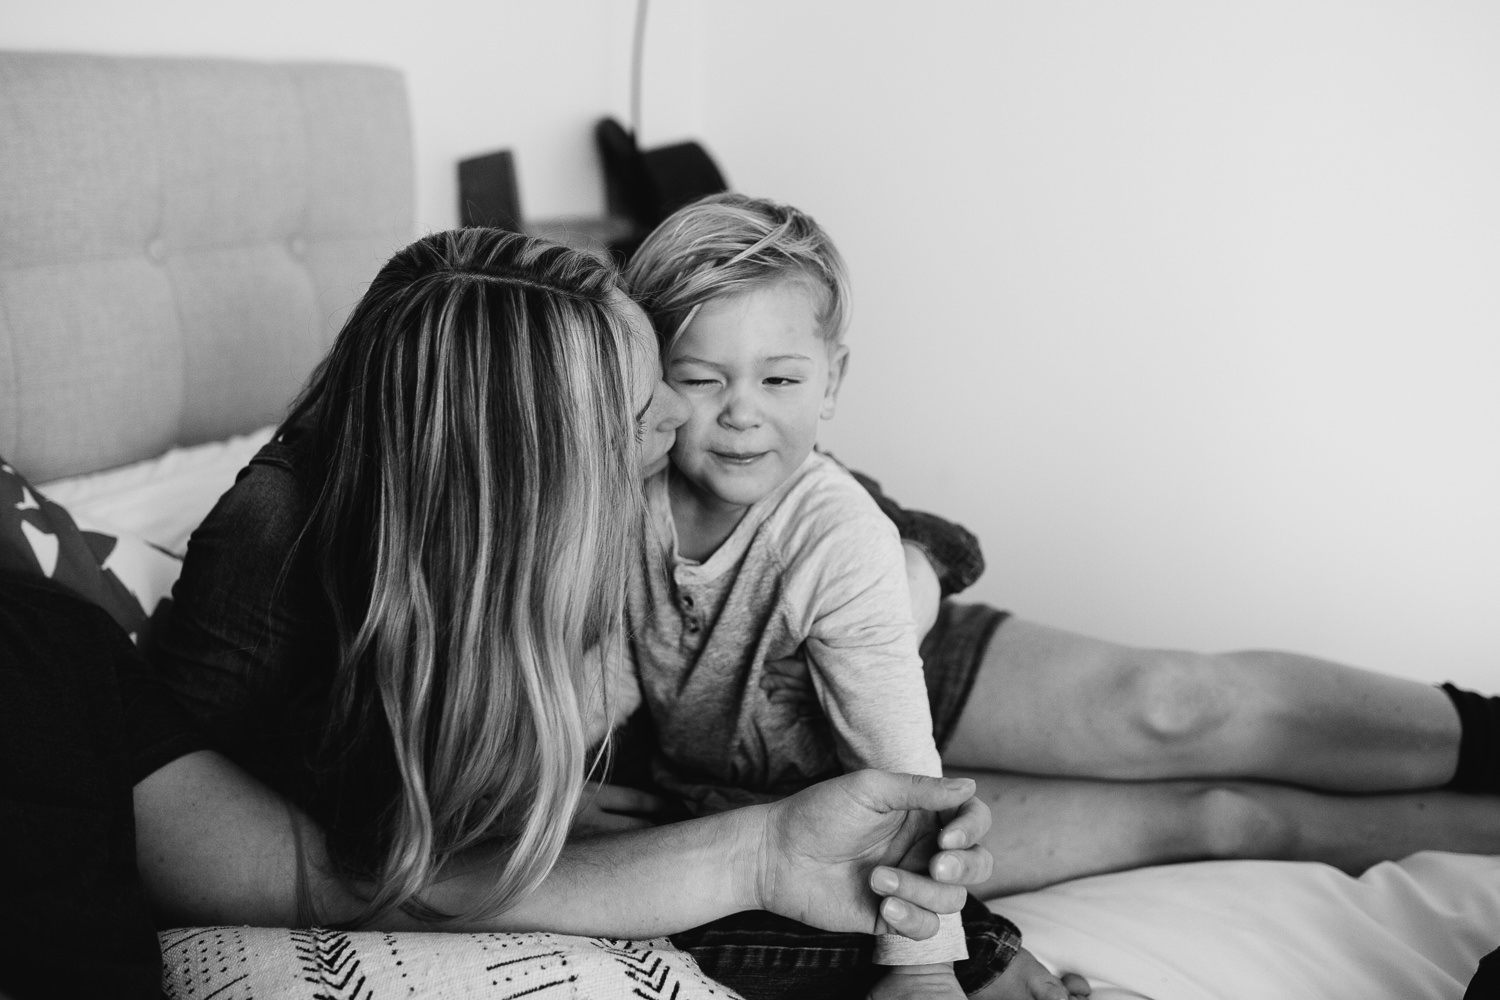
[474, 500]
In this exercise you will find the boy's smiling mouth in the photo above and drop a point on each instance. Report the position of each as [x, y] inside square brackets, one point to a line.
[738, 457]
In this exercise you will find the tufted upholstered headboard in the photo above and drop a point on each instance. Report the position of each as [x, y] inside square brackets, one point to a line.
[179, 242]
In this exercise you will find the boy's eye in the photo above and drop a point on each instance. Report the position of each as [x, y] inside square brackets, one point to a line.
[780, 380]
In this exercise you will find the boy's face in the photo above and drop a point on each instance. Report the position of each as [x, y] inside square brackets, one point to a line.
[758, 377]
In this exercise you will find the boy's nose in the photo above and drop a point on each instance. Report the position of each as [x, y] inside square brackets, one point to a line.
[739, 412]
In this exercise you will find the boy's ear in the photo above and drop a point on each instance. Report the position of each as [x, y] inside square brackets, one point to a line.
[838, 367]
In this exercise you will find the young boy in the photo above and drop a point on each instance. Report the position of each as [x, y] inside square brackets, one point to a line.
[759, 548]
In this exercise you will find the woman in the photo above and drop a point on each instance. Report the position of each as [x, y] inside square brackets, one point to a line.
[387, 620]
[1102, 757]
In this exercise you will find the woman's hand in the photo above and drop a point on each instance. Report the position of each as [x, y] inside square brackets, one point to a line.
[829, 852]
[611, 808]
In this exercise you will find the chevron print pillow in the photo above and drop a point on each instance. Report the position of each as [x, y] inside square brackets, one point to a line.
[254, 963]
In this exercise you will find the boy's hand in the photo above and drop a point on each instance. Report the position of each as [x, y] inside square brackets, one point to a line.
[788, 680]
[611, 808]
[926, 982]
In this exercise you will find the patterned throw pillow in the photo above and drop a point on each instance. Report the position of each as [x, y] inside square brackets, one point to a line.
[127, 577]
[249, 963]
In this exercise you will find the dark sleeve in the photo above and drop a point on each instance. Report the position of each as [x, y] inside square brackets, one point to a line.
[157, 729]
[241, 648]
[951, 548]
[56, 641]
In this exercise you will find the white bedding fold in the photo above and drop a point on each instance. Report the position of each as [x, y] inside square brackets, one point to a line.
[1270, 930]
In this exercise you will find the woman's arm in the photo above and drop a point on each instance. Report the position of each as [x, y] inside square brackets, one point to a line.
[216, 846]
[813, 857]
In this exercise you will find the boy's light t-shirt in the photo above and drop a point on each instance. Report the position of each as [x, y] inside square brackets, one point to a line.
[817, 567]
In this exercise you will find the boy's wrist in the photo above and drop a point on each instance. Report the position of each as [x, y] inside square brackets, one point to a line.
[750, 869]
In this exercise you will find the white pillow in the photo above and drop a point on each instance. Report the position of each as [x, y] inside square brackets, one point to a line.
[162, 499]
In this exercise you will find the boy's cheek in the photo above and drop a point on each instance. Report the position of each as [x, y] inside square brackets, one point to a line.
[686, 448]
[699, 420]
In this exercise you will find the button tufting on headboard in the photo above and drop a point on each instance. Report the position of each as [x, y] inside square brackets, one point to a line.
[180, 240]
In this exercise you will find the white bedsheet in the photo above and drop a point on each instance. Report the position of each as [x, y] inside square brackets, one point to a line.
[1270, 930]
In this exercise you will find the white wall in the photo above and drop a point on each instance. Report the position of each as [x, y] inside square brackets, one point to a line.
[1191, 311]
[532, 76]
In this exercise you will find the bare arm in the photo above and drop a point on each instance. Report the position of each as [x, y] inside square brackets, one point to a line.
[812, 857]
[216, 846]
[926, 592]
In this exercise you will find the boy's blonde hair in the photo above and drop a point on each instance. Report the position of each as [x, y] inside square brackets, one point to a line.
[730, 243]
